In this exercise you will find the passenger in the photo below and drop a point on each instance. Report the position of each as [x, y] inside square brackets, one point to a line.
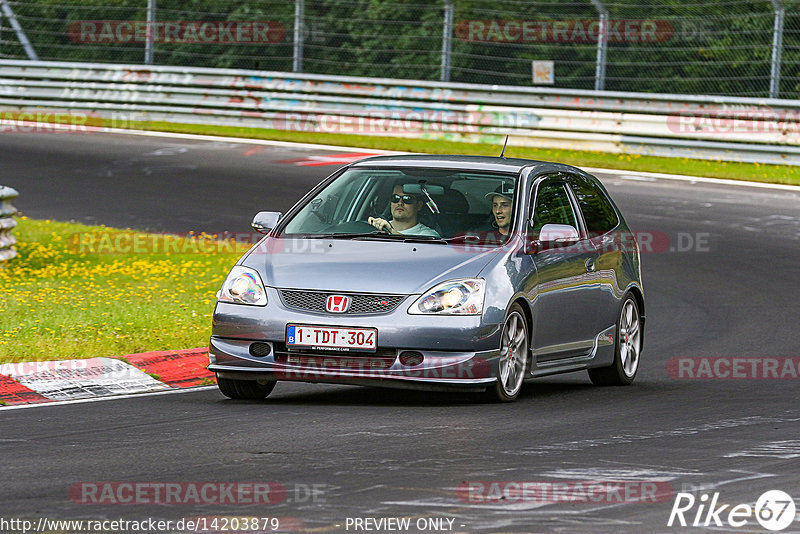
[405, 212]
[502, 206]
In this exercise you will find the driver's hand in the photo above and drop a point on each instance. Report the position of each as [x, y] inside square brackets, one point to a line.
[380, 224]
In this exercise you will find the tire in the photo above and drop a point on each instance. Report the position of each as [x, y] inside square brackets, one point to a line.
[513, 360]
[627, 348]
[245, 389]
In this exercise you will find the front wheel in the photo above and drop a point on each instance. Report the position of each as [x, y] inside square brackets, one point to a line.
[513, 360]
[245, 389]
[627, 348]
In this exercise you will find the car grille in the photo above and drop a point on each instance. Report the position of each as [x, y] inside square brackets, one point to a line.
[330, 360]
[384, 353]
[360, 303]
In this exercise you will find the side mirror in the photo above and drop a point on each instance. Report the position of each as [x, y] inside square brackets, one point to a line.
[264, 221]
[552, 236]
[559, 233]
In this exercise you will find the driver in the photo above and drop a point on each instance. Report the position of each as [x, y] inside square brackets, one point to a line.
[405, 210]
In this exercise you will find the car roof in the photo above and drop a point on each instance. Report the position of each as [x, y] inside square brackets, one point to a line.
[473, 163]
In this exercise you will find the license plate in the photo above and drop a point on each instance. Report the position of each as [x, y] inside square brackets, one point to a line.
[332, 338]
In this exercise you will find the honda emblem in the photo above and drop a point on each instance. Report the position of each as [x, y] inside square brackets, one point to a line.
[337, 304]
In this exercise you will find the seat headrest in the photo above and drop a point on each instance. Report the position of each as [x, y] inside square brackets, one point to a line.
[453, 202]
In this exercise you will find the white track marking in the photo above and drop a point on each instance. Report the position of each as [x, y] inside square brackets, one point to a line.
[100, 399]
[639, 175]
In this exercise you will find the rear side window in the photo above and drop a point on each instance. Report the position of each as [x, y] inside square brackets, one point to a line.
[597, 210]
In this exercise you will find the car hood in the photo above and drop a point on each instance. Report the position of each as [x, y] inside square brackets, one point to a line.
[363, 266]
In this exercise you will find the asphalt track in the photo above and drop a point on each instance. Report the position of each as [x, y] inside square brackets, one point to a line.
[386, 453]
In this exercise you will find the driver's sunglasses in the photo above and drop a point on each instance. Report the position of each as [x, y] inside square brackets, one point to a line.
[407, 199]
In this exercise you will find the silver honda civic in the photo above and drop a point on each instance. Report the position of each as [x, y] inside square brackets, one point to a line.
[435, 272]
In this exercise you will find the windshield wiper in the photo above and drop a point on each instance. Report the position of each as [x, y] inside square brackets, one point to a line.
[344, 236]
[406, 238]
[377, 235]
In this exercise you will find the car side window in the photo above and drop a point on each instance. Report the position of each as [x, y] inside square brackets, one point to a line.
[598, 213]
[552, 207]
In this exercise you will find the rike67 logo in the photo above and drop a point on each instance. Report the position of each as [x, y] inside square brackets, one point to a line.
[774, 510]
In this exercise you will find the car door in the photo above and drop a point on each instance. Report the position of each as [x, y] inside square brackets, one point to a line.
[565, 299]
[600, 221]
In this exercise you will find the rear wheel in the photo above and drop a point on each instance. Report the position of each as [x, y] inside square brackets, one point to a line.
[245, 389]
[513, 357]
[627, 348]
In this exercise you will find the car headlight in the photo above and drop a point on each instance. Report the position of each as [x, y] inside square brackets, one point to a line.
[243, 286]
[455, 297]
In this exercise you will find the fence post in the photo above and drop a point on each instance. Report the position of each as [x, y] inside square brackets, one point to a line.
[447, 40]
[7, 223]
[602, 46]
[15, 25]
[299, 23]
[150, 37]
[777, 48]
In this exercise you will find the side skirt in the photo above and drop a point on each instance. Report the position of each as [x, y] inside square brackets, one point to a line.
[600, 355]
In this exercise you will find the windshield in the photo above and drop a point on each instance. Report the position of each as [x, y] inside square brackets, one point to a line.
[412, 202]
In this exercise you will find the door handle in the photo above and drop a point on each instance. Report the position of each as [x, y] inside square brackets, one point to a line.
[590, 265]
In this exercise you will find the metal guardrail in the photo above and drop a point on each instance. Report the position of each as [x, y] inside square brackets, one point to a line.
[7, 223]
[728, 128]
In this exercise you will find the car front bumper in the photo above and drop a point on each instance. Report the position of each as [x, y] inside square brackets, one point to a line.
[459, 352]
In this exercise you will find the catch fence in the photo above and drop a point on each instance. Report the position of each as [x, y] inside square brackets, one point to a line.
[727, 47]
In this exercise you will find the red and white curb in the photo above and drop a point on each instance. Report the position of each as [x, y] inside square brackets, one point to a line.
[64, 380]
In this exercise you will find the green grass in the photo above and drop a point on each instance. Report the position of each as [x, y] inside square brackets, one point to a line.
[780, 174]
[63, 298]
